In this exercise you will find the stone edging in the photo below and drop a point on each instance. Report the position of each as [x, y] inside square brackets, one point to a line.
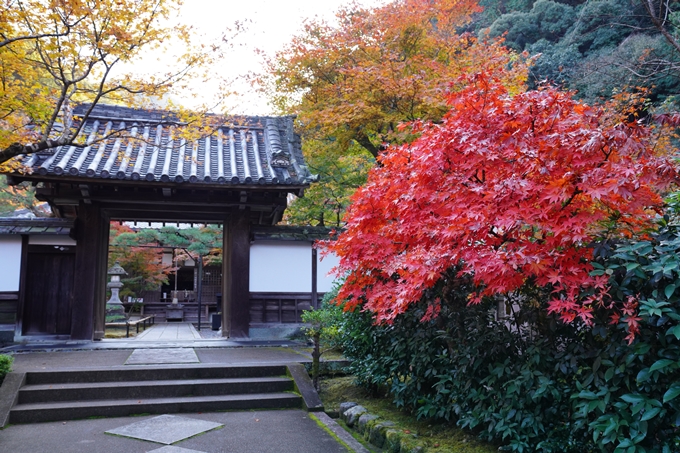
[9, 394]
[381, 433]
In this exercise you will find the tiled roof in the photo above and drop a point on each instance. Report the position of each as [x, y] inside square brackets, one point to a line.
[251, 150]
[49, 226]
[293, 233]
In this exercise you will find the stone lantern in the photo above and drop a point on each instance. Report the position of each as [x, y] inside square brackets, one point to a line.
[115, 311]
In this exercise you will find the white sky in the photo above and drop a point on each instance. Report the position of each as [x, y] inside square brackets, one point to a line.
[270, 25]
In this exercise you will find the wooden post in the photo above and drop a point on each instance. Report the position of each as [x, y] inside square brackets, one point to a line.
[315, 297]
[18, 331]
[102, 278]
[90, 271]
[236, 275]
[199, 288]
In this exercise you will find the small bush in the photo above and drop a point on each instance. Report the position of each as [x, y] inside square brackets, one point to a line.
[323, 329]
[5, 365]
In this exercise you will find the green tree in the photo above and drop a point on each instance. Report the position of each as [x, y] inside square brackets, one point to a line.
[341, 173]
[143, 264]
[323, 328]
[21, 196]
[57, 53]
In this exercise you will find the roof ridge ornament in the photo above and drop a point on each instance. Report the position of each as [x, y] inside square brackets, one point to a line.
[280, 158]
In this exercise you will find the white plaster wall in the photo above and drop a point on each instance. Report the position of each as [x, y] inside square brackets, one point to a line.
[10, 262]
[51, 240]
[281, 266]
[324, 280]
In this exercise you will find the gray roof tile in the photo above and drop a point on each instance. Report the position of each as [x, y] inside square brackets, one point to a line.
[51, 226]
[251, 150]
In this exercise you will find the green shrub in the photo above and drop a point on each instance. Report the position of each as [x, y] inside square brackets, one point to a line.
[531, 382]
[5, 365]
[322, 329]
[627, 396]
[471, 369]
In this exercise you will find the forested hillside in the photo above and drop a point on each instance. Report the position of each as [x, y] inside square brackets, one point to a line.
[596, 47]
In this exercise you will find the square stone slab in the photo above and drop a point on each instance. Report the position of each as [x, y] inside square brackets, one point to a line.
[161, 356]
[165, 429]
[173, 449]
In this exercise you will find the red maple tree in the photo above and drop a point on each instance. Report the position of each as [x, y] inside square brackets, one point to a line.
[509, 188]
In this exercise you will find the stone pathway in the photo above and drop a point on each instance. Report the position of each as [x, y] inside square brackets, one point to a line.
[169, 331]
[162, 356]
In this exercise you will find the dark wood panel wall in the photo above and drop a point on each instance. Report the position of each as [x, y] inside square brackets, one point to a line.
[9, 304]
[49, 290]
[279, 308]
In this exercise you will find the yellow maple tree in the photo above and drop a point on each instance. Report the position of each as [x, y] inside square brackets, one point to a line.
[55, 54]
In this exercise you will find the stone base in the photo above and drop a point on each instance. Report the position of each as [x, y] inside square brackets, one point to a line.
[275, 332]
[173, 314]
[6, 334]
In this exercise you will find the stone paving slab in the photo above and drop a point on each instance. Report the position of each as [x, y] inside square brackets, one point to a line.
[173, 449]
[69, 359]
[237, 356]
[162, 356]
[169, 331]
[165, 429]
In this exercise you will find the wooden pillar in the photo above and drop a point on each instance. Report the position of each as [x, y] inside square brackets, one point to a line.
[236, 275]
[18, 330]
[90, 271]
[102, 277]
[315, 295]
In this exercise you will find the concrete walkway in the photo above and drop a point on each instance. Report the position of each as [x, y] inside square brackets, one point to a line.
[161, 335]
[278, 431]
[283, 431]
[169, 331]
[83, 359]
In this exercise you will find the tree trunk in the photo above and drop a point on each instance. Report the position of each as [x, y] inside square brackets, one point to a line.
[316, 356]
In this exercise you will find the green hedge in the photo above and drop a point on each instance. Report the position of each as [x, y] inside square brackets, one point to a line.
[531, 382]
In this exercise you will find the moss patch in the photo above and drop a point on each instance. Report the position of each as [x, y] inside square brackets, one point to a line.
[118, 332]
[435, 437]
[328, 431]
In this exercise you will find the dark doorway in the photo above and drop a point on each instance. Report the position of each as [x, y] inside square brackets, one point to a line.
[185, 280]
[49, 290]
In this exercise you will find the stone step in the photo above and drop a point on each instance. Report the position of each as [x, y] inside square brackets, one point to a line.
[167, 388]
[128, 373]
[75, 410]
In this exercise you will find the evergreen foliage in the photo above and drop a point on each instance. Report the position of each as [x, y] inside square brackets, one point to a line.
[528, 380]
[595, 47]
[5, 365]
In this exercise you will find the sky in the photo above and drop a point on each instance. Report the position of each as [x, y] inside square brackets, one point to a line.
[270, 24]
